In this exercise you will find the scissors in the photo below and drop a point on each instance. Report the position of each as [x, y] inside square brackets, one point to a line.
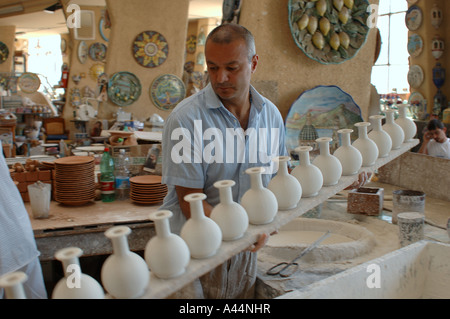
[281, 268]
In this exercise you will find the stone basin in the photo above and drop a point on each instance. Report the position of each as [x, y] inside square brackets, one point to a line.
[346, 241]
[420, 270]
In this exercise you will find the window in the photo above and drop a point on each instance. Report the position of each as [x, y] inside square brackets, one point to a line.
[390, 72]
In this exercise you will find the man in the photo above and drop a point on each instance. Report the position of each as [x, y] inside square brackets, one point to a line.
[435, 141]
[18, 250]
[210, 136]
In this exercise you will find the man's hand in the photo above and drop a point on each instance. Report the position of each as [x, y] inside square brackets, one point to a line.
[262, 241]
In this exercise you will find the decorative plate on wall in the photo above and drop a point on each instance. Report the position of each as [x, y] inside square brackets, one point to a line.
[29, 82]
[329, 32]
[150, 49]
[95, 70]
[167, 91]
[191, 44]
[415, 45]
[97, 51]
[415, 76]
[4, 52]
[124, 88]
[323, 110]
[104, 32]
[413, 18]
[82, 51]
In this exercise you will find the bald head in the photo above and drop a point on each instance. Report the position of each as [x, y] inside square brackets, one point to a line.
[230, 32]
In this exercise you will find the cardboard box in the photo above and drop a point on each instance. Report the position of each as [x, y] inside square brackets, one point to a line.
[145, 158]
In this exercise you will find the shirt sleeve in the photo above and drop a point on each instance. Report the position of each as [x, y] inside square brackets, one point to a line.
[181, 166]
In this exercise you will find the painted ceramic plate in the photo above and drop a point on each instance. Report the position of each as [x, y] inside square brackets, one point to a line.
[96, 70]
[415, 45]
[329, 32]
[167, 91]
[4, 52]
[150, 49]
[124, 88]
[191, 44]
[415, 76]
[320, 112]
[416, 98]
[104, 32]
[413, 18]
[82, 51]
[97, 51]
[29, 82]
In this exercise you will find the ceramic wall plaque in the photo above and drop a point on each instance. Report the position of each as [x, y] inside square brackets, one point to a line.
[413, 18]
[29, 82]
[97, 51]
[167, 91]
[415, 45]
[415, 76]
[329, 32]
[124, 88]
[150, 49]
[191, 44]
[4, 52]
[104, 32]
[82, 51]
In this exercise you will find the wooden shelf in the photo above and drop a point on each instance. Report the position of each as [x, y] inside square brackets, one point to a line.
[162, 288]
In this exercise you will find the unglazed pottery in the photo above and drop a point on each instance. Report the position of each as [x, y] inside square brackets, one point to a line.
[328, 164]
[229, 215]
[12, 283]
[124, 274]
[394, 130]
[259, 202]
[202, 235]
[286, 188]
[309, 175]
[408, 126]
[349, 156]
[75, 284]
[367, 147]
[379, 136]
[167, 255]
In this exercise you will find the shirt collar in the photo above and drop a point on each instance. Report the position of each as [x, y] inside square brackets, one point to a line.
[213, 101]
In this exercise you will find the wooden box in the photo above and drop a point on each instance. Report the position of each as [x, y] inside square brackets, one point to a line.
[366, 201]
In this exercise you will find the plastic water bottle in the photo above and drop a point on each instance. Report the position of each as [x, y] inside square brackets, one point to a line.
[122, 175]
[107, 177]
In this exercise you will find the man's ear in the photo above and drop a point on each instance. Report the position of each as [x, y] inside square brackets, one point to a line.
[254, 63]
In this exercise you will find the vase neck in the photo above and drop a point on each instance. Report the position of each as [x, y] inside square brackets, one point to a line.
[225, 194]
[345, 139]
[324, 148]
[282, 168]
[162, 227]
[69, 264]
[362, 132]
[401, 112]
[304, 158]
[120, 245]
[256, 181]
[376, 123]
[196, 209]
[389, 117]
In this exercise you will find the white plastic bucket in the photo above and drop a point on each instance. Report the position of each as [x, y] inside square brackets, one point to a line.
[40, 196]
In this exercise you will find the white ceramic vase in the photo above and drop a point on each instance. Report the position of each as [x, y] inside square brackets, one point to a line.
[202, 235]
[259, 202]
[124, 274]
[229, 215]
[12, 283]
[394, 130]
[349, 156]
[75, 284]
[328, 164]
[167, 255]
[286, 188]
[367, 147]
[309, 175]
[408, 125]
[379, 136]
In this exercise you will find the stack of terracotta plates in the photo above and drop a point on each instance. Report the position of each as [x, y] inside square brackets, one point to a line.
[147, 189]
[74, 180]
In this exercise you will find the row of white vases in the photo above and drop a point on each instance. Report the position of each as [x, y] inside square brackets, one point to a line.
[126, 275]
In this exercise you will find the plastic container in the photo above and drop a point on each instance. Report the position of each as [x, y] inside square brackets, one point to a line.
[40, 196]
[107, 177]
[122, 176]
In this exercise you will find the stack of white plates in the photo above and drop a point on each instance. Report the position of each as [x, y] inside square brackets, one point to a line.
[74, 180]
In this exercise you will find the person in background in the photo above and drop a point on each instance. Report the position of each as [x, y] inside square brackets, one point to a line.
[435, 141]
[227, 102]
[18, 251]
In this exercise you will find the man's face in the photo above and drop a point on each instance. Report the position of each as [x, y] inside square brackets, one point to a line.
[229, 69]
[438, 135]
